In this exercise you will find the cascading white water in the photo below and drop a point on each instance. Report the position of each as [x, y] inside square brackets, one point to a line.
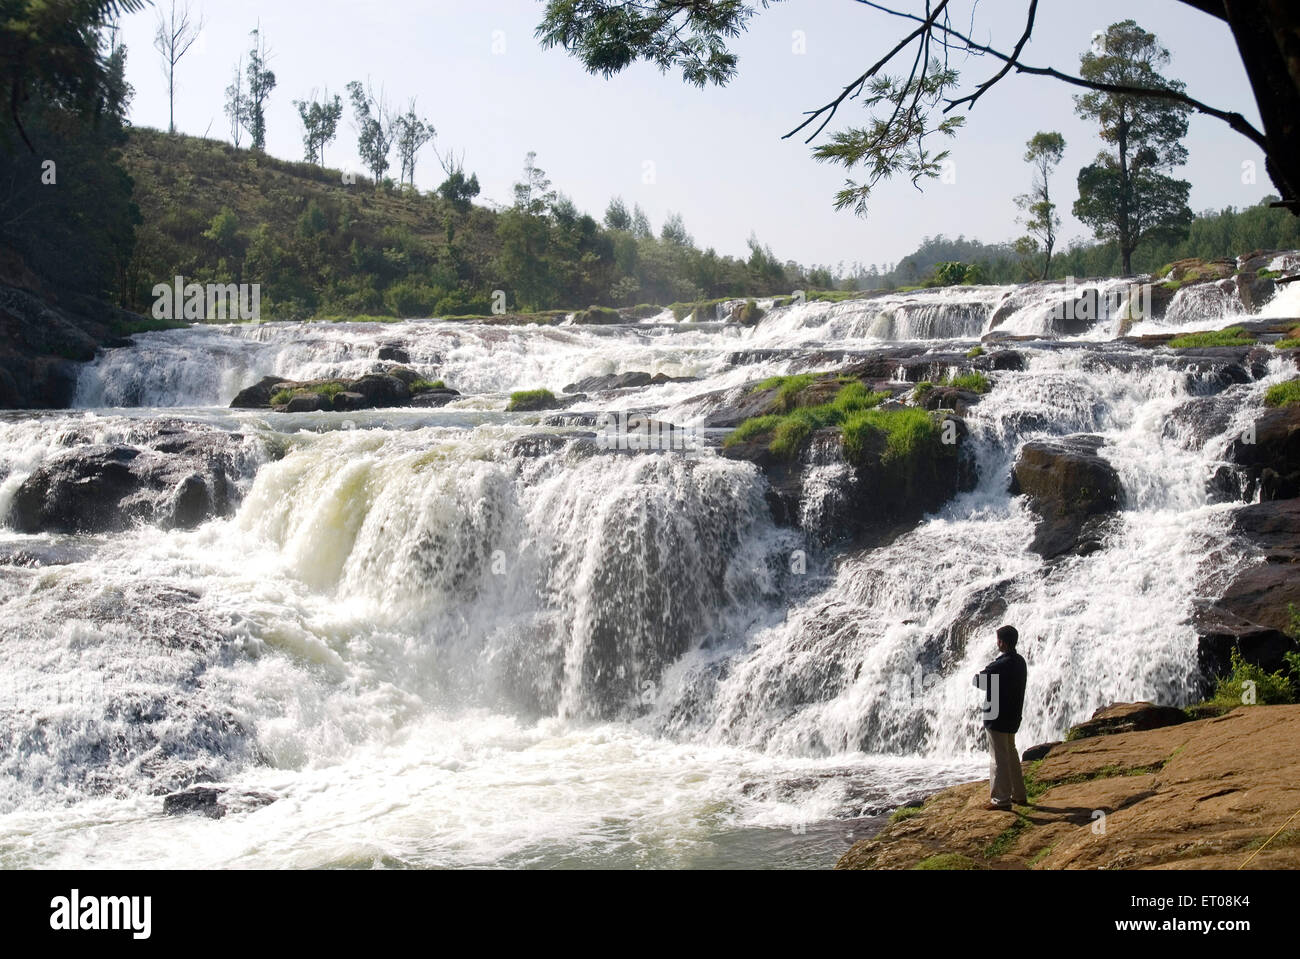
[437, 640]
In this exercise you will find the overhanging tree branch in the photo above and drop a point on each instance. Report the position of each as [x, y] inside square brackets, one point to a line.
[1235, 120]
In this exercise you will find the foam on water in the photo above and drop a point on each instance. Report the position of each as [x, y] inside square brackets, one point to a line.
[434, 646]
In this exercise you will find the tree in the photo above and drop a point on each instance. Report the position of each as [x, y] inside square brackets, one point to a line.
[616, 215]
[411, 134]
[533, 194]
[65, 75]
[1043, 153]
[640, 223]
[374, 129]
[457, 189]
[609, 35]
[237, 105]
[261, 81]
[53, 55]
[177, 30]
[1124, 195]
[674, 231]
[524, 238]
[320, 122]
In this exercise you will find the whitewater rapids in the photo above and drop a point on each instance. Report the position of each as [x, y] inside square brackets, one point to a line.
[430, 650]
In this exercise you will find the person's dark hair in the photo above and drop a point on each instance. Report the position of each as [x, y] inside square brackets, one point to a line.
[1009, 635]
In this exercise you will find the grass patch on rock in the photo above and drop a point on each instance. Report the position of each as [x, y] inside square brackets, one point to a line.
[791, 425]
[1283, 394]
[528, 400]
[1232, 336]
[947, 860]
[904, 812]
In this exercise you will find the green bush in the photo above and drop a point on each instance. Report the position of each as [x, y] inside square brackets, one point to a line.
[281, 397]
[424, 386]
[749, 314]
[975, 351]
[1271, 689]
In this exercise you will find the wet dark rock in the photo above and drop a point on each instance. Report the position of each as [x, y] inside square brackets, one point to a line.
[1253, 613]
[174, 481]
[396, 386]
[258, 395]
[537, 444]
[381, 390]
[950, 398]
[393, 352]
[347, 402]
[434, 398]
[614, 381]
[1266, 464]
[1039, 751]
[214, 801]
[571, 419]
[1071, 487]
[308, 403]
[44, 339]
[623, 381]
[877, 501]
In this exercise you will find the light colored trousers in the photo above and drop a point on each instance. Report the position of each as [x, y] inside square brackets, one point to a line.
[1006, 780]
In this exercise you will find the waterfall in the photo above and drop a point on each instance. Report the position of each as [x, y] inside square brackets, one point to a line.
[462, 636]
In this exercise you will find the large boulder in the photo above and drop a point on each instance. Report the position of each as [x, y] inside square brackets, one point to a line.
[870, 501]
[1267, 464]
[1127, 718]
[1253, 614]
[258, 396]
[382, 390]
[177, 480]
[1072, 489]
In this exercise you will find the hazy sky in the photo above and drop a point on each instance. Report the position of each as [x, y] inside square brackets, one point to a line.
[714, 155]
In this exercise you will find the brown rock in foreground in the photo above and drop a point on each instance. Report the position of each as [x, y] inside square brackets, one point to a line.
[1199, 795]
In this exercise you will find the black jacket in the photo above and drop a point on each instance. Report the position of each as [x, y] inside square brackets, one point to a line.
[1004, 696]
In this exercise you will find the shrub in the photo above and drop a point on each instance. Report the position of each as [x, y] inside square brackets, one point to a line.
[281, 397]
[1270, 689]
[975, 351]
[424, 386]
[749, 314]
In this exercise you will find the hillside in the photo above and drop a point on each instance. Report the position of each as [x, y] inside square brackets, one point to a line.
[321, 247]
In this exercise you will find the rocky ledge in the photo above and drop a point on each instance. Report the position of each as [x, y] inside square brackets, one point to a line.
[1204, 794]
[178, 477]
[395, 387]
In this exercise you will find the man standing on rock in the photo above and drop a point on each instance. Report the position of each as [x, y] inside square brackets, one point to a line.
[1003, 682]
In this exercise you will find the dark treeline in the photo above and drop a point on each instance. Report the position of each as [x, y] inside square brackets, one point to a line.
[1211, 235]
